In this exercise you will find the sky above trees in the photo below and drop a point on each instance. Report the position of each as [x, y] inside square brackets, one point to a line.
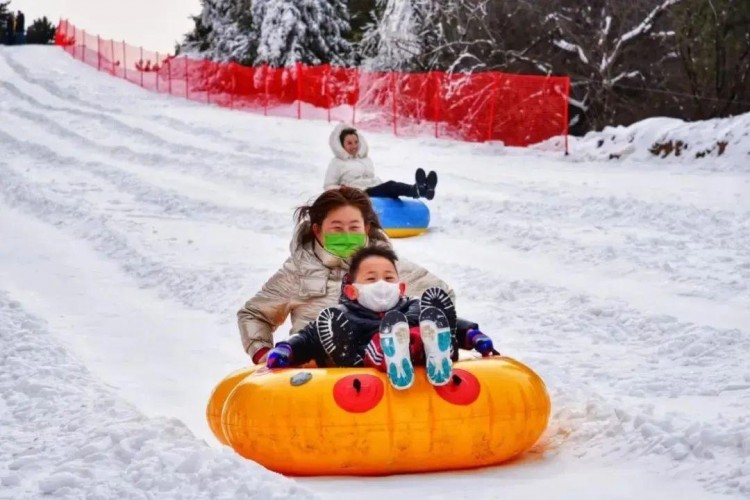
[156, 25]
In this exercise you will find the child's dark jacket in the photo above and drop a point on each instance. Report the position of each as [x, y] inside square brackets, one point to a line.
[364, 323]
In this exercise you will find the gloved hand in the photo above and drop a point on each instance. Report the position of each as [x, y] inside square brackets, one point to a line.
[480, 342]
[280, 356]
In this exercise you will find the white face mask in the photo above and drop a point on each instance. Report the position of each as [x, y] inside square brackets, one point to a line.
[379, 296]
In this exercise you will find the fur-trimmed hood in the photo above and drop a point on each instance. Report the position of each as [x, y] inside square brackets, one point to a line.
[338, 150]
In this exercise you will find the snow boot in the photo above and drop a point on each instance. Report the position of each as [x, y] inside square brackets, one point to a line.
[335, 335]
[394, 340]
[439, 298]
[426, 183]
[421, 185]
[436, 337]
[431, 184]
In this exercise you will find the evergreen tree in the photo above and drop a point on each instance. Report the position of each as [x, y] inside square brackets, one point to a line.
[405, 37]
[307, 31]
[197, 40]
[361, 14]
[40, 32]
[4, 19]
[224, 31]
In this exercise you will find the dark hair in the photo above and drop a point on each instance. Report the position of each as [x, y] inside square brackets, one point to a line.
[345, 132]
[367, 252]
[332, 199]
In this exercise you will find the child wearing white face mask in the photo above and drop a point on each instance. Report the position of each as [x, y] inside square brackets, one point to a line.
[376, 325]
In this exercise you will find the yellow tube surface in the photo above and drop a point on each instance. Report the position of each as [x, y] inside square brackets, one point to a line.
[404, 233]
[349, 421]
[219, 396]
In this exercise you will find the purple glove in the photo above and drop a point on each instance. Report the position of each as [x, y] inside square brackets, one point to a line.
[480, 342]
[280, 356]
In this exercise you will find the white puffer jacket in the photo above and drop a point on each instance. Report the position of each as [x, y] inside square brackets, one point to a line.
[347, 170]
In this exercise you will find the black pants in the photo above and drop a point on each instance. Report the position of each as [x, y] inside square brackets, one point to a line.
[392, 189]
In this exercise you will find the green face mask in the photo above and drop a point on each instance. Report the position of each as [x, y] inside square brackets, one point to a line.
[343, 245]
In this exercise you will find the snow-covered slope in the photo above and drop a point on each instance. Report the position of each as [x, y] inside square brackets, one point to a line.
[132, 226]
[66, 435]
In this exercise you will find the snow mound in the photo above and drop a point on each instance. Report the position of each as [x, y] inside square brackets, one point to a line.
[670, 139]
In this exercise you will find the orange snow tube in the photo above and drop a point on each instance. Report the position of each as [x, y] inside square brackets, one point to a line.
[349, 421]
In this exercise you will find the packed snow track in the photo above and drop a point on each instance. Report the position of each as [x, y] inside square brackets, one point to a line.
[133, 226]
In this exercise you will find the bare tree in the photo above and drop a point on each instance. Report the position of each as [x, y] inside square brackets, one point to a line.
[481, 35]
[611, 48]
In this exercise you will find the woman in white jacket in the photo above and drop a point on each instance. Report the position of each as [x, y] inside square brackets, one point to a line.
[351, 167]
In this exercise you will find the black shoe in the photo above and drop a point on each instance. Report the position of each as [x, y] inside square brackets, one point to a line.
[439, 298]
[336, 337]
[422, 185]
[431, 183]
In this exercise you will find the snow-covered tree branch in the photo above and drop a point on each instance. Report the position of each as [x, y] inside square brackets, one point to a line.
[643, 27]
[306, 31]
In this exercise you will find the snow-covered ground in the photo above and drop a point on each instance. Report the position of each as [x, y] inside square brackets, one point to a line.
[132, 226]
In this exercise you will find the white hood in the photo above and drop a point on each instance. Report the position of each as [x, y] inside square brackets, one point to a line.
[338, 149]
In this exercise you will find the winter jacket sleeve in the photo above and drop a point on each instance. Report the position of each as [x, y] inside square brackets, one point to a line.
[267, 310]
[305, 345]
[418, 279]
[462, 328]
[333, 175]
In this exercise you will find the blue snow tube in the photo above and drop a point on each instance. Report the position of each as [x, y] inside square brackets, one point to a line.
[402, 218]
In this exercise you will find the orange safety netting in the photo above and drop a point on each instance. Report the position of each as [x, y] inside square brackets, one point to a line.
[518, 110]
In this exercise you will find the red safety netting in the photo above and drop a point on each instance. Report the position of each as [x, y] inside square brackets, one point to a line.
[518, 110]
